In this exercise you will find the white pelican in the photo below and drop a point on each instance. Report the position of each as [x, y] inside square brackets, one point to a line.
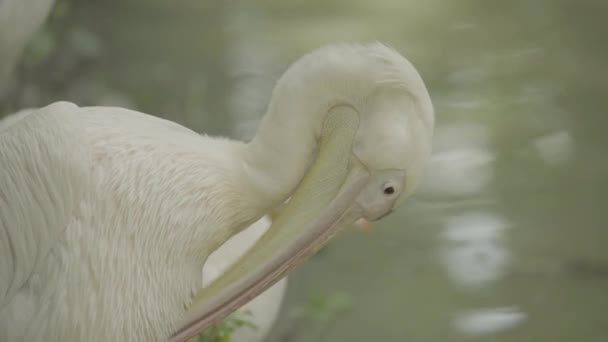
[107, 215]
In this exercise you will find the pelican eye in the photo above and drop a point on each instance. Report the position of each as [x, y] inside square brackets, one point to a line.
[389, 190]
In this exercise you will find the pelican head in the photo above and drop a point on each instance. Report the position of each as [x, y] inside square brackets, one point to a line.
[385, 95]
[389, 99]
[346, 137]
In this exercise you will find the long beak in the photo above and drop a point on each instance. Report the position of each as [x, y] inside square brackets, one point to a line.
[322, 205]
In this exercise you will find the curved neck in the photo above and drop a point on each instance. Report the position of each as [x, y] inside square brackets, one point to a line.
[280, 153]
[286, 142]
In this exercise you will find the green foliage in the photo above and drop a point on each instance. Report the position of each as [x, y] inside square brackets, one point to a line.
[38, 50]
[222, 331]
[61, 39]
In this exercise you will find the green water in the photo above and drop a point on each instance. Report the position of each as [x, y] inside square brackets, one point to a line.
[507, 238]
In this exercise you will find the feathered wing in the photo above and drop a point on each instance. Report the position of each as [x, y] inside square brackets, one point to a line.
[44, 169]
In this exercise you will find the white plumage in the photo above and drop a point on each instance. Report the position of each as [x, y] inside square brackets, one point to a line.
[107, 215]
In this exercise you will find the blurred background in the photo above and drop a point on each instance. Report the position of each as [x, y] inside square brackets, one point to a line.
[507, 238]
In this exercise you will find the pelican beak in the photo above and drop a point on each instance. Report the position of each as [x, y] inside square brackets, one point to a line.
[323, 204]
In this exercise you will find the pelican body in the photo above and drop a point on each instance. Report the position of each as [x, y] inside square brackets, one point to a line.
[107, 215]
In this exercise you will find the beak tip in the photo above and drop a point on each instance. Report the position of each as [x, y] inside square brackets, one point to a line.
[364, 225]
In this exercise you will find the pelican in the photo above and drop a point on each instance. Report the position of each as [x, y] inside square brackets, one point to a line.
[108, 215]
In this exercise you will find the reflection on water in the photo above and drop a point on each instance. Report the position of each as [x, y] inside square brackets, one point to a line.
[462, 160]
[555, 148]
[474, 254]
[487, 321]
[506, 239]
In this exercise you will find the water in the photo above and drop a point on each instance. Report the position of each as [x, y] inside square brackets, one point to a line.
[505, 241]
